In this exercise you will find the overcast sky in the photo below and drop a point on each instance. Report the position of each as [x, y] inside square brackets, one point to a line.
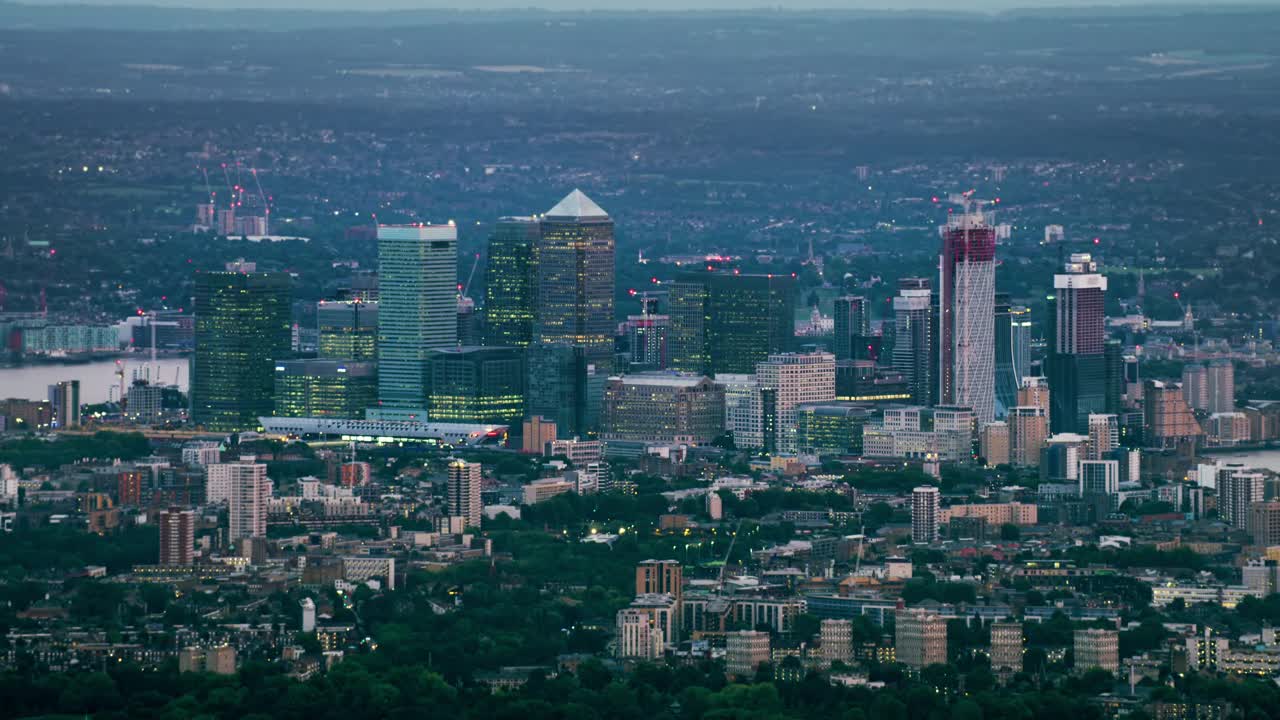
[980, 5]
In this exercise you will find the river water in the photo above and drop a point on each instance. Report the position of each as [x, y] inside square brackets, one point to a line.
[1261, 459]
[98, 380]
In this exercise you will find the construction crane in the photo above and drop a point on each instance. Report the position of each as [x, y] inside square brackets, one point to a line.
[262, 198]
[968, 202]
[466, 289]
[862, 536]
[207, 187]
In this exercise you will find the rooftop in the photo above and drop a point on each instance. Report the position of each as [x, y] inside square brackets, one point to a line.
[577, 205]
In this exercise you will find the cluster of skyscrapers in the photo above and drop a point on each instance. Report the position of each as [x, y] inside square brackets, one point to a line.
[711, 353]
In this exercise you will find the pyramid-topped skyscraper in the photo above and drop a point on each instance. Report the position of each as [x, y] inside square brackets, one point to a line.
[576, 279]
[576, 205]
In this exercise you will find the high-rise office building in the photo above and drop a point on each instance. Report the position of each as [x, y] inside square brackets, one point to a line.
[243, 326]
[576, 279]
[1221, 385]
[647, 338]
[325, 388]
[837, 640]
[745, 651]
[1168, 421]
[1114, 364]
[920, 638]
[913, 349]
[1238, 490]
[926, 511]
[743, 409]
[852, 328]
[994, 443]
[417, 311]
[830, 428]
[347, 330]
[248, 491]
[1060, 459]
[966, 321]
[1077, 355]
[221, 475]
[793, 379]
[665, 577]
[484, 385]
[177, 536]
[1099, 477]
[727, 322]
[564, 388]
[662, 408]
[1195, 385]
[1006, 647]
[1264, 523]
[1013, 351]
[1028, 428]
[638, 637]
[1034, 392]
[1104, 435]
[1210, 387]
[464, 491]
[64, 398]
[1097, 648]
[511, 282]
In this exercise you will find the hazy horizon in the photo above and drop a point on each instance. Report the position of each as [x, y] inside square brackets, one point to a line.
[661, 5]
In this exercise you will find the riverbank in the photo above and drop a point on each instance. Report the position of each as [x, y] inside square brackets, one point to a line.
[100, 380]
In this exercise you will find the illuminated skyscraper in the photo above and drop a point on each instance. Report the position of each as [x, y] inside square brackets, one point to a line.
[793, 379]
[417, 310]
[1077, 367]
[563, 388]
[1013, 351]
[242, 328]
[511, 282]
[913, 350]
[325, 388]
[966, 307]
[476, 385]
[576, 279]
[852, 327]
[347, 330]
[726, 322]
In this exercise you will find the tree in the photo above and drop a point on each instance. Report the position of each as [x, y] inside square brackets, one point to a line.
[805, 626]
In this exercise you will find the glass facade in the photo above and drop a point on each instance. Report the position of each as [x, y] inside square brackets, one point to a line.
[576, 279]
[727, 323]
[830, 428]
[476, 385]
[243, 326]
[852, 327]
[347, 330]
[417, 308]
[325, 388]
[511, 282]
[559, 388]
